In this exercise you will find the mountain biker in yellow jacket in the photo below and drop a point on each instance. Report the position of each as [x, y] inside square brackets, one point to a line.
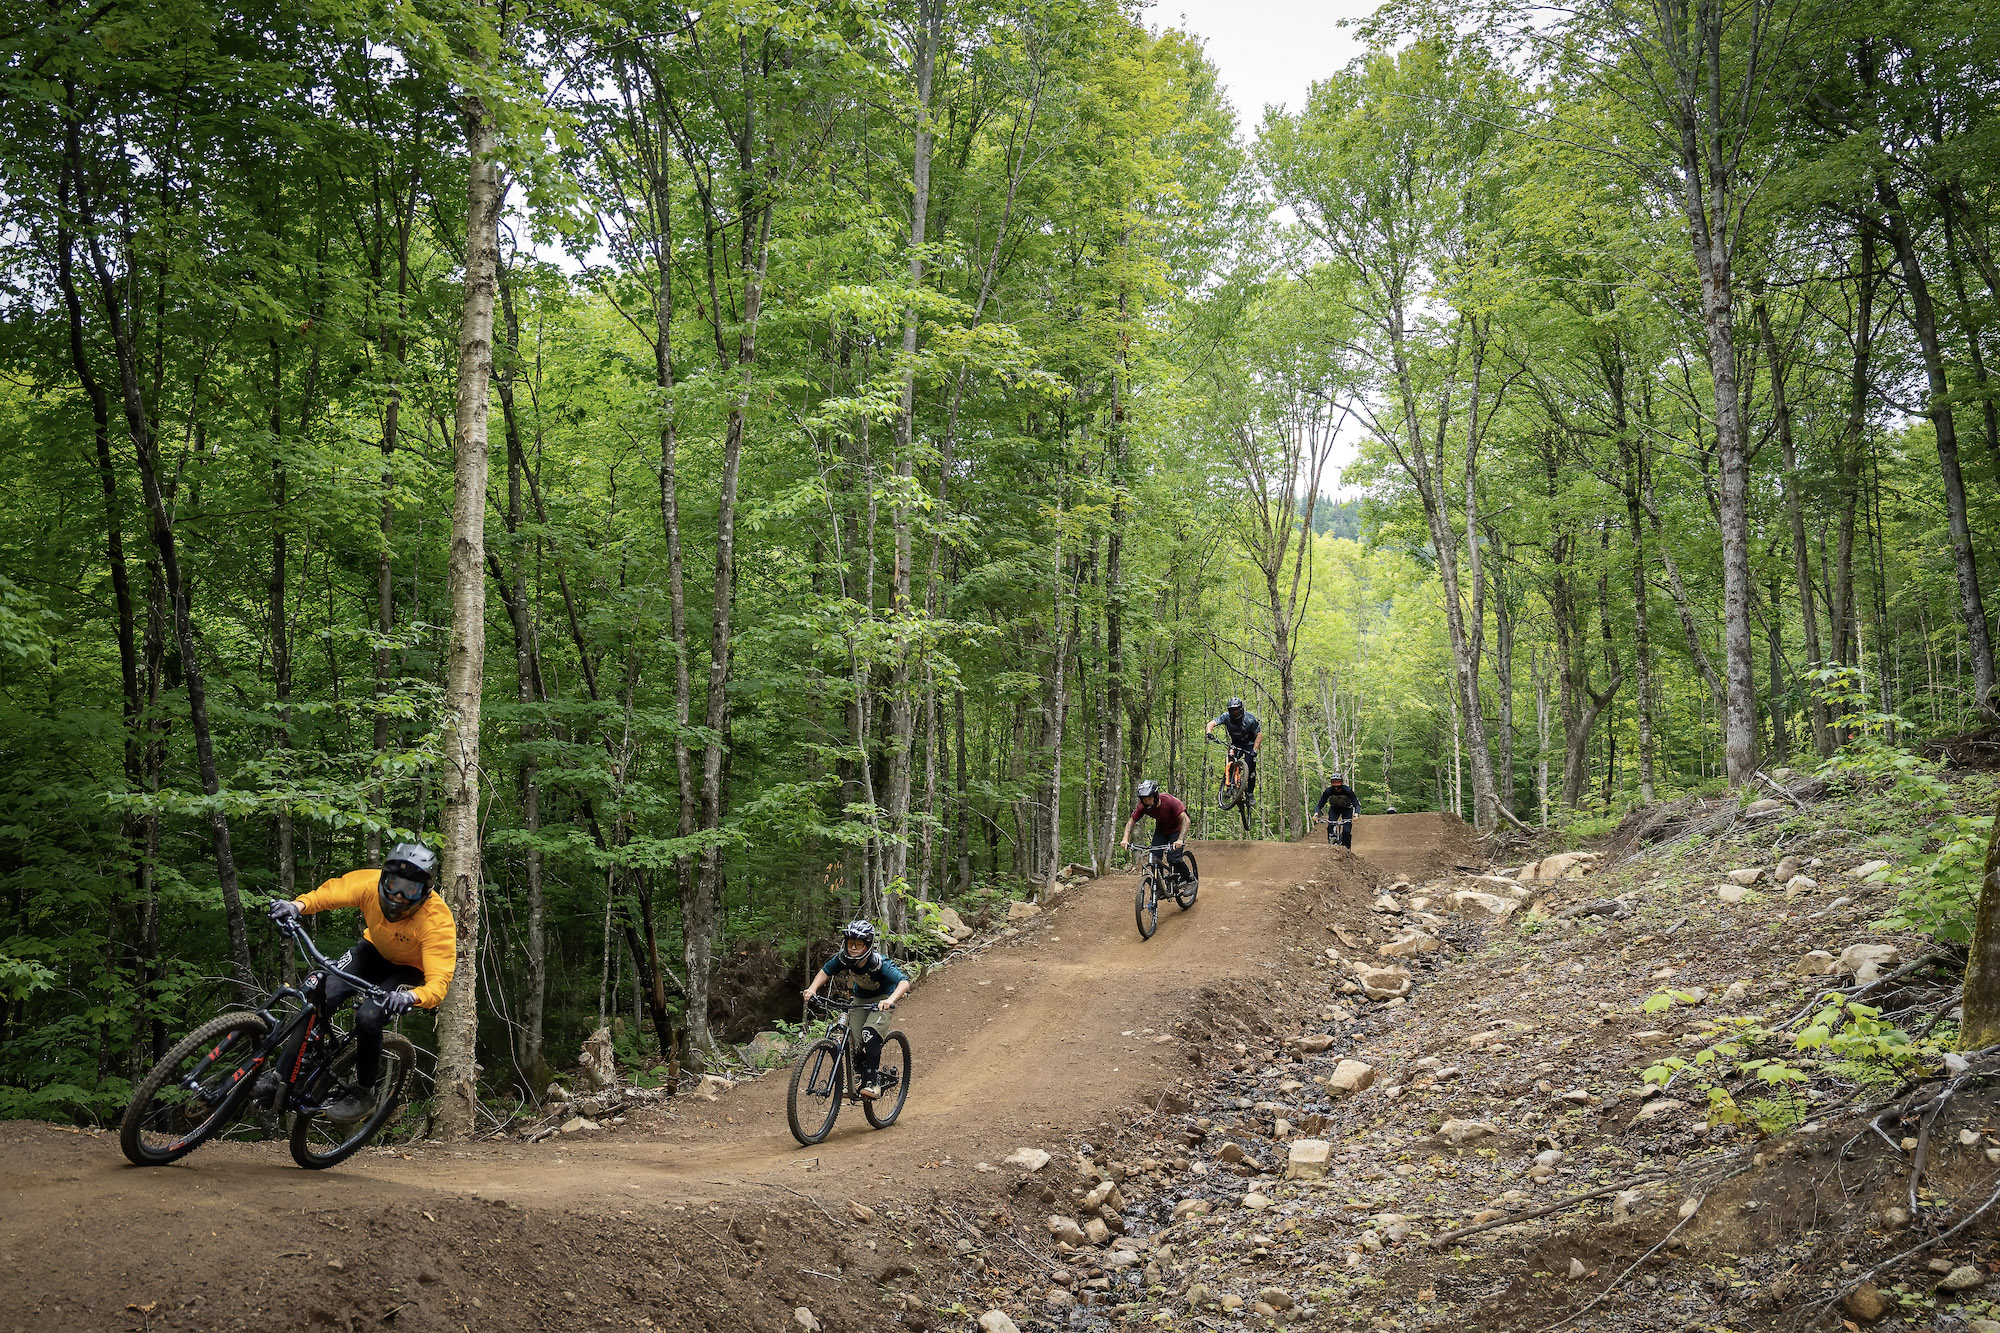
[409, 944]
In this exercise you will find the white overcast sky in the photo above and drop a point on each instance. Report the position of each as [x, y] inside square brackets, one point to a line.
[1269, 51]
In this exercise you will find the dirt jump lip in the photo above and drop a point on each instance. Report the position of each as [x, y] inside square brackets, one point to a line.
[1043, 1035]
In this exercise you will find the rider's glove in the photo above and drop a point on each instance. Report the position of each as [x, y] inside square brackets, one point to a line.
[284, 911]
[398, 1002]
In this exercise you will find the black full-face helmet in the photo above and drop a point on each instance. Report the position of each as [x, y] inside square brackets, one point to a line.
[407, 878]
[1148, 790]
[863, 933]
[1236, 709]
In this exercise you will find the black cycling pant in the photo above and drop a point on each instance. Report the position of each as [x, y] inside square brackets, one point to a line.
[1176, 856]
[1340, 828]
[868, 1060]
[1249, 773]
[370, 1017]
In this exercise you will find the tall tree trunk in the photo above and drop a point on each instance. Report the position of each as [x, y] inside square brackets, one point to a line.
[1795, 515]
[529, 1054]
[1981, 1025]
[465, 656]
[702, 912]
[145, 447]
[1923, 320]
[1853, 445]
[902, 711]
[1711, 199]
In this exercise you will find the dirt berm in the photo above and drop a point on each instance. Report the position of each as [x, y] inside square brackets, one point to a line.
[708, 1216]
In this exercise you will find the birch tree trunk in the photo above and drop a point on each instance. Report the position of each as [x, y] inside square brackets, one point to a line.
[465, 656]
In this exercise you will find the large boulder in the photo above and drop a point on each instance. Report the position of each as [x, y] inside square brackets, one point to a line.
[1488, 904]
[1308, 1159]
[1382, 983]
[1066, 1230]
[1868, 961]
[1350, 1076]
[1022, 910]
[952, 926]
[1409, 945]
[1563, 865]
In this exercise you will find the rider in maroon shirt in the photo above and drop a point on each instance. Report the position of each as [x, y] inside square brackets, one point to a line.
[1169, 818]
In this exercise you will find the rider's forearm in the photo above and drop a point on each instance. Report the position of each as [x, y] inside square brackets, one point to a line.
[902, 989]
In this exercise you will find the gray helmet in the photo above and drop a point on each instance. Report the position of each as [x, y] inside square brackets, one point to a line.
[1148, 788]
[408, 873]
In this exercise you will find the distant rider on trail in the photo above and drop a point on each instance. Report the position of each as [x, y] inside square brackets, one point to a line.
[1170, 824]
[410, 942]
[1246, 733]
[1337, 799]
[873, 977]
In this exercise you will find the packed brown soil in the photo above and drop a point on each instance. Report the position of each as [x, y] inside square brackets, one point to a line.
[707, 1216]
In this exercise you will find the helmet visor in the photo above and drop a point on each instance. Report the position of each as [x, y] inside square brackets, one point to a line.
[401, 893]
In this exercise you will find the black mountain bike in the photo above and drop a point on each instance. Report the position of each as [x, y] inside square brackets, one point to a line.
[1159, 882]
[1341, 831]
[287, 1055]
[822, 1076]
[1235, 791]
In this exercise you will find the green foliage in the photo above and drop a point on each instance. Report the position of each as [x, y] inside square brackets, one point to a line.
[1846, 1036]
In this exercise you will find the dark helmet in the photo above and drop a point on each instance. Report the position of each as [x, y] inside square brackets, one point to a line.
[862, 930]
[1235, 706]
[407, 876]
[1148, 788]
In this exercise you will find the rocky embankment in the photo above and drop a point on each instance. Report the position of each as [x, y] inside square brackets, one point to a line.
[1447, 1122]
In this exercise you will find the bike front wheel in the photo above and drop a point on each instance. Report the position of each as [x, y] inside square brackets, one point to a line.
[895, 1082]
[813, 1103]
[1184, 892]
[195, 1090]
[318, 1142]
[1146, 906]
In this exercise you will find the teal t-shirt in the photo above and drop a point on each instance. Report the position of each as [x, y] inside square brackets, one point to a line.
[873, 977]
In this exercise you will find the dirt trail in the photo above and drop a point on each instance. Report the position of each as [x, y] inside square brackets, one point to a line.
[1044, 1035]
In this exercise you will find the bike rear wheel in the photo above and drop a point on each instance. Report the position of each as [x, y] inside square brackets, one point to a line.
[195, 1090]
[813, 1102]
[318, 1142]
[894, 1071]
[1184, 893]
[1146, 906]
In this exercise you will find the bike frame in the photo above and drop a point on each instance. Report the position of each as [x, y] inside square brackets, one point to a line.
[284, 1023]
[849, 1037]
[1155, 872]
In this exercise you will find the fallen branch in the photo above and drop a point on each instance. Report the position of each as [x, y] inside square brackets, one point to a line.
[1620, 1279]
[1910, 1253]
[1453, 1237]
[772, 1184]
[1779, 788]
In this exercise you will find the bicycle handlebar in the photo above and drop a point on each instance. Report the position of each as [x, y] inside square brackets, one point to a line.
[297, 931]
[829, 1003]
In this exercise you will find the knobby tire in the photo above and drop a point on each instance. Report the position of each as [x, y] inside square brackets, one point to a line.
[1184, 894]
[882, 1112]
[399, 1056]
[822, 1060]
[170, 1113]
[1146, 906]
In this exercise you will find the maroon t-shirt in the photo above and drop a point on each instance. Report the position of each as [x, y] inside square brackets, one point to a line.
[1169, 817]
